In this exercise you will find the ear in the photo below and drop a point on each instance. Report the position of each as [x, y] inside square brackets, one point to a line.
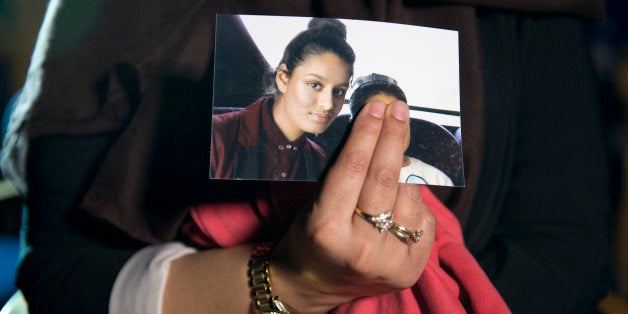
[282, 78]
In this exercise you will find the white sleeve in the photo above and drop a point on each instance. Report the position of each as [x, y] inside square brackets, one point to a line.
[140, 284]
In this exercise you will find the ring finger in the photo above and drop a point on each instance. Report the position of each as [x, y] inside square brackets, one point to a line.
[408, 213]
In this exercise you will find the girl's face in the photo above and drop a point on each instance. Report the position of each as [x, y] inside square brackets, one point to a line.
[311, 97]
[387, 99]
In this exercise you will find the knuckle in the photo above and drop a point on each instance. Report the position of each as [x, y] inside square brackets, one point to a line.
[360, 260]
[355, 164]
[429, 220]
[386, 177]
[407, 280]
[397, 131]
[369, 128]
[320, 234]
[412, 192]
[318, 239]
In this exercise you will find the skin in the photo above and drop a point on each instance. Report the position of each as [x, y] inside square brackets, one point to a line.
[311, 96]
[329, 255]
[388, 99]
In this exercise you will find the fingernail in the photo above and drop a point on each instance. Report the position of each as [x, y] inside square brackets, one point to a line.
[400, 111]
[377, 109]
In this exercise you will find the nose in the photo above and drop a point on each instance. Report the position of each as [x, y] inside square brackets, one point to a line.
[326, 101]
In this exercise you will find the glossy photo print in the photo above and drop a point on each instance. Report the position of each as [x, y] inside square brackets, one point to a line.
[287, 88]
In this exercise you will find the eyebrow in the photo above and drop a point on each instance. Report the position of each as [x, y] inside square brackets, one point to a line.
[345, 84]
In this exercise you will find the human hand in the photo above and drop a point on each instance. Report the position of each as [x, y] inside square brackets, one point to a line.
[330, 255]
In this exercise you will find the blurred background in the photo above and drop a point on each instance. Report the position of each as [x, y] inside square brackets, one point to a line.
[20, 21]
[19, 24]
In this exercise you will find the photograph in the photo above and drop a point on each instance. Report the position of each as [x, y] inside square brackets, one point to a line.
[286, 90]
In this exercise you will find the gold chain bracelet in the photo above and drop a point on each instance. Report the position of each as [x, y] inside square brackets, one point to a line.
[260, 282]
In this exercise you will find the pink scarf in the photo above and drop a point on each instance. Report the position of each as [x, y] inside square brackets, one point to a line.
[452, 281]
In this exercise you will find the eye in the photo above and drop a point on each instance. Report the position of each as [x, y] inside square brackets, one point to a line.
[315, 85]
[339, 92]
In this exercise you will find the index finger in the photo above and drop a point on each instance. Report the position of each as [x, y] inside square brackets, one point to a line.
[343, 184]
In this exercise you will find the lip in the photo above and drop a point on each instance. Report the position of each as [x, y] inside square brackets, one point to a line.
[320, 117]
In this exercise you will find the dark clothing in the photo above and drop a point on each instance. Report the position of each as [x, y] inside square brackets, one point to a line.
[122, 114]
[247, 144]
[544, 186]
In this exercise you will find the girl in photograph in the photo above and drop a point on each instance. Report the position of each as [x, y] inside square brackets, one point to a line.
[268, 139]
[375, 86]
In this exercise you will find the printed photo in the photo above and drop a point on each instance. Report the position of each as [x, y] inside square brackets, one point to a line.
[286, 90]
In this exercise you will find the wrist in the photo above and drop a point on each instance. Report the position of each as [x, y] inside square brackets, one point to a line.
[261, 285]
[301, 287]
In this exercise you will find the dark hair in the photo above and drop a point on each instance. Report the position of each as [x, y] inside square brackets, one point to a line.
[323, 35]
[373, 84]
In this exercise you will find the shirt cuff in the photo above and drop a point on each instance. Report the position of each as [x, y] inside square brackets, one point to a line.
[140, 284]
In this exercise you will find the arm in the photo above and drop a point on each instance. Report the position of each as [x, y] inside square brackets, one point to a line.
[344, 256]
[61, 255]
[70, 92]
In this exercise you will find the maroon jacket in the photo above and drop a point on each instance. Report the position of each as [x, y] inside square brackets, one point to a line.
[243, 147]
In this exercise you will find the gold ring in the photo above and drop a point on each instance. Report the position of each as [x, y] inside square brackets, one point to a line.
[382, 221]
[405, 235]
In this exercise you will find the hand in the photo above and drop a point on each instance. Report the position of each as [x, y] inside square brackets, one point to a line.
[331, 255]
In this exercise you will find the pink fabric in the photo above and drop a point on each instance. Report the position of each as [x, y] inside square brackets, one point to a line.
[452, 281]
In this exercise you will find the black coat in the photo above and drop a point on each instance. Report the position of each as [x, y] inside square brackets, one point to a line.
[114, 157]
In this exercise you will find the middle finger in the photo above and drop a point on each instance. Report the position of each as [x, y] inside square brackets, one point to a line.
[382, 180]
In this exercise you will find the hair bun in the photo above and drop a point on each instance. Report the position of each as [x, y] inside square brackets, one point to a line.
[330, 25]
